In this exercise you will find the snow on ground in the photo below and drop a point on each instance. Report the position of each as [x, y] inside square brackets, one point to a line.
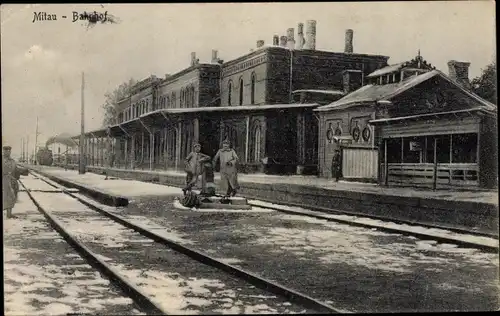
[161, 230]
[32, 183]
[474, 196]
[174, 293]
[171, 291]
[363, 247]
[42, 274]
[128, 188]
[379, 223]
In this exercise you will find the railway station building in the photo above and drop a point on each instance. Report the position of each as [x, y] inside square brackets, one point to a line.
[262, 102]
[411, 123]
[287, 106]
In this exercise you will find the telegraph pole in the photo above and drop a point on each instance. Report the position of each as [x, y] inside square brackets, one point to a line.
[28, 149]
[36, 140]
[22, 148]
[81, 169]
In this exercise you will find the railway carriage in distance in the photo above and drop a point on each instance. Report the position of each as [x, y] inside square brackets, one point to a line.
[44, 156]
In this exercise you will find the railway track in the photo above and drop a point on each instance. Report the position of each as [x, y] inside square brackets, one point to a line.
[462, 238]
[487, 242]
[361, 220]
[137, 265]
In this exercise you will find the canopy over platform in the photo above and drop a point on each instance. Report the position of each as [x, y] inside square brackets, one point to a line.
[165, 117]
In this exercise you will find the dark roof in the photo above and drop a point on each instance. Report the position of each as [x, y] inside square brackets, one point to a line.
[235, 108]
[310, 52]
[373, 93]
[332, 92]
[136, 124]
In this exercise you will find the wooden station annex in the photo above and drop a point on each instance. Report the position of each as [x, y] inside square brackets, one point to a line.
[411, 123]
[262, 102]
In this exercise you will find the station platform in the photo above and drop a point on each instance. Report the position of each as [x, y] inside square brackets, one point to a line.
[473, 210]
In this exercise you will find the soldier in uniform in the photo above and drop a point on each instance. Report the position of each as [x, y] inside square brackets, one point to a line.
[336, 166]
[194, 167]
[10, 186]
[228, 171]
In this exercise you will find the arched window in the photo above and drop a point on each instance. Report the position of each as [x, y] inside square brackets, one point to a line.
[229, 92]
[257, 143]
[182, 97]
[174, 101]
[252, 89]
[241, 91]
[189, 98]
[193, 98]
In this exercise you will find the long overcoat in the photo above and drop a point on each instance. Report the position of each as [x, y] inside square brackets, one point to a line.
[228, 173]
[10, 186]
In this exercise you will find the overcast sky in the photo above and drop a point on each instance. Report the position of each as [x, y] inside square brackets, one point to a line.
[42, 62]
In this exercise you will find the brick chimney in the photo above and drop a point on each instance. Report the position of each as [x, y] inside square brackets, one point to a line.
[260, 43]
[310, 35]
[352, 80]
[276, 40]
[193, 59]
[300, 36]
[459, 72]
[348, 41]
[290, 40]
[283, 41]
[215, 59]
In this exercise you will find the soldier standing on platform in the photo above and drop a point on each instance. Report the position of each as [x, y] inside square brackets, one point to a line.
[194, 167]
[228, 171]
[336, 167]
[10, 186]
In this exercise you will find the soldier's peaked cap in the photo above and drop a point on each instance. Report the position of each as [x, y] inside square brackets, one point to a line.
[7, 147]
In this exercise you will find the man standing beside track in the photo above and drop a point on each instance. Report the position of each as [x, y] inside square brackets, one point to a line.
[228, 168]
[10, 186]
[194, 167]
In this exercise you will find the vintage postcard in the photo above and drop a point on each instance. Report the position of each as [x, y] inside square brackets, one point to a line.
[249, 158]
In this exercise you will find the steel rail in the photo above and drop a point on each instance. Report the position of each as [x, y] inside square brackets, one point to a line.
[139, 297]
[327, 210]
[423, 236]
[256, 280]
[420, 235]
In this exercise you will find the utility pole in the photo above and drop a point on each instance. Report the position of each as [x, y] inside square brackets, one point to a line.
[28, 149]
[36, 140]
[22, 148]
[81, 169]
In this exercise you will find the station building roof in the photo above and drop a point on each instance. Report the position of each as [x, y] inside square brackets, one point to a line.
[373, 93]
[158, 117]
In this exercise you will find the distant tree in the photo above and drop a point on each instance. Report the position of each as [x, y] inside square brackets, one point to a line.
[485, 85]
[112, 99]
